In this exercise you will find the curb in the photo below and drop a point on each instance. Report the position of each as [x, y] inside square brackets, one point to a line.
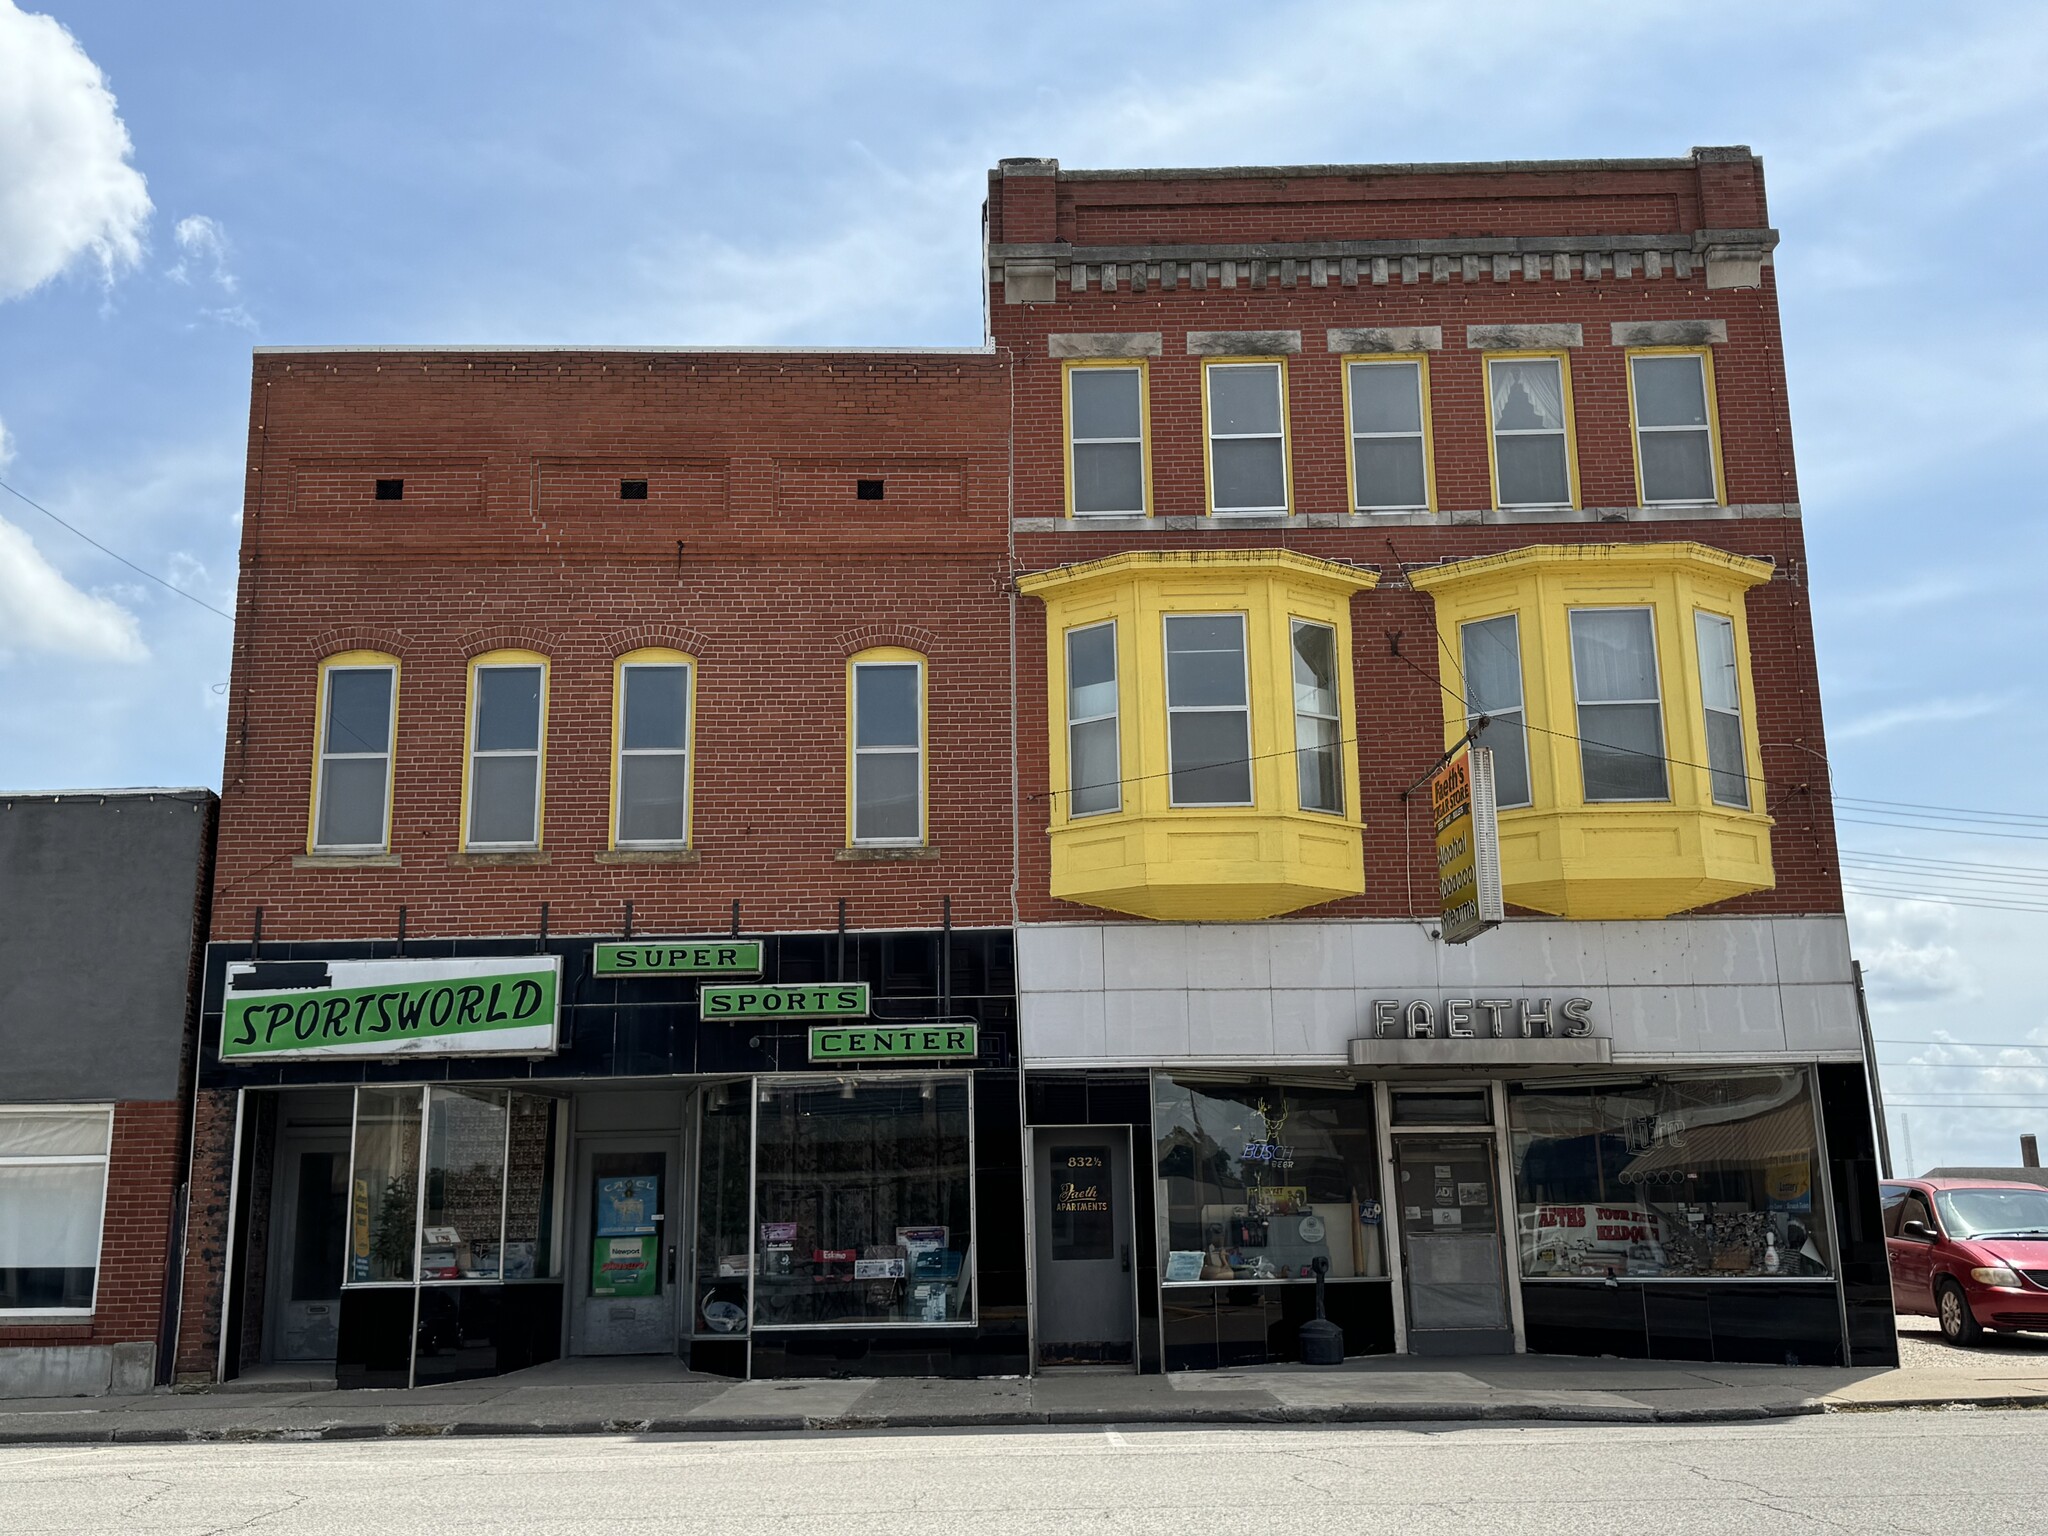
[1061, 1418]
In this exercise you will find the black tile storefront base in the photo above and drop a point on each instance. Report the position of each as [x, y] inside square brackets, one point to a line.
[1734, 1322]
[373, 1343]
[1221, 1325]
[997, 1348]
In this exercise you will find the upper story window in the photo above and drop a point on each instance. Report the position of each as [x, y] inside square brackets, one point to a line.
[886, 748]
[507, 732]
[1671, 399]
[1318, 718]
[53, 1191]
[653, 694]
[1721, 701]
[1491, 659]
[1107, 468]
[352, 760]
[1245, 407]
[1529, 400]
[1208, 709]
[1094, 752]
[1387, 403]
[1621, 715]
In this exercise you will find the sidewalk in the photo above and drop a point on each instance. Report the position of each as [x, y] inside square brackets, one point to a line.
[657, 1396]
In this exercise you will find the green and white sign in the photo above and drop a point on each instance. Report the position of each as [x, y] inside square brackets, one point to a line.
[896, 1042]
[477, 1007]
[839, 999]
[679, 957]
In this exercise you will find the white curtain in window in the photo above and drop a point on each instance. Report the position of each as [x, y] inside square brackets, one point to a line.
[1539, 383]
[50, 1215]
[66, 1134]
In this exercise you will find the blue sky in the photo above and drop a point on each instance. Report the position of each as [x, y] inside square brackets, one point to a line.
[811, 173]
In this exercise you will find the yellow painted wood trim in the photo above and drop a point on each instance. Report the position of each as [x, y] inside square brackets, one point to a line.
[345, 659]
[506, 658]
[654, 656]
[1067, 370]
[1635, 437]
[1618, 560]
[1563, 359]
[1286, 438]
[1381, 359]
[1072, 580]
[898, 654]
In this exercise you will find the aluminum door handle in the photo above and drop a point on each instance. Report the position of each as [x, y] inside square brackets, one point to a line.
[671, 1263]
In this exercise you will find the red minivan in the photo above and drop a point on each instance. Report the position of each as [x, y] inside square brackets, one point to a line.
[1971, 1252]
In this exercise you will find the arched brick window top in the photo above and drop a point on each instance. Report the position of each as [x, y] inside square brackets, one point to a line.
[478, 641]
[645, 637]
[903, 636]
[333, 642]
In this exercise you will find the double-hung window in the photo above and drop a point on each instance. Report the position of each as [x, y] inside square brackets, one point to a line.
[358, 716]
[1492, 663]
[1620, 711]
[888, 751]
[53, 1192]
[1721, 695]
[1208, 710]
[1318, 728]
[1389, 441]
[1247, 420]
[1093, 752]
[1671, 394]
[1106, 440]
[507, 724]
[1531, 419]
[652, 788]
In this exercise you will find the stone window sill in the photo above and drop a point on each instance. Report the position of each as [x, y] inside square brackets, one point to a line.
[345, 861]
[497, 860]
[886, 855]
[647, 856]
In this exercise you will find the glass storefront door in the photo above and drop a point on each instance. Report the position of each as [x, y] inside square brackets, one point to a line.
[1448, 1203]
[310, 1229]
[626, 1263]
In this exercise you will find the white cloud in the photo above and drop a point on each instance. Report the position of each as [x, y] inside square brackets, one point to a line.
[1905, 950]
[202, 243]
[1926, 712]
[67, 191]
[42, 612]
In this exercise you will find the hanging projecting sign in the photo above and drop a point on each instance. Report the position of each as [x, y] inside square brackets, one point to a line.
[678, 957]
[832, 1000]
[499, 1006]
[901, 1042]
[1467, 844]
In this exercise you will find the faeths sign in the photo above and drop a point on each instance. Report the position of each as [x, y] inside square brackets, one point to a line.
[475, 1007]
[1467, 845]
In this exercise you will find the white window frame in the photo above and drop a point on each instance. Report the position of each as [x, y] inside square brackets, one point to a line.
[1713, 496]
[1278, 368]
[1075, 440]
[1562, 432]
[1245, 709]
[619, 840]
[1699, 617]
[916, 839]
[66, 1159]
[327, 755]
[1336, 718]
[538, 752]
[1420, 369]
[1519, 714]
[1579, 702]
[1114, 716]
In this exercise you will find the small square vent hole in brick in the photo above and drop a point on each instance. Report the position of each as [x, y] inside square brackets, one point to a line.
[632, 490]
[391, 490]
[867, 490]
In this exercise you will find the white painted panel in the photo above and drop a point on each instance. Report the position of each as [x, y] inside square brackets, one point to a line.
[1646, 954]
[1732, 952]
[1318, 1022]
[1740, 1020]
[1151, 956]
[1656, 1021]
[1310, 954]
[1812, 949]
[1391, 957]
[1146, 1024]
[1230, 955]
[1062, 1024]
[1230, 1022]
[1062, 959]
[1822, 1018]
[1537, 955]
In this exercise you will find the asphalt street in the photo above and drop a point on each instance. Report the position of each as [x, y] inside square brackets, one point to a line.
[1936, 1471]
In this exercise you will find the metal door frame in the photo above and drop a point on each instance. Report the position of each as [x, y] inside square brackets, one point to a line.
[580, 1235]
[276, 1290]
[1104, 1132]
[1506, 1212]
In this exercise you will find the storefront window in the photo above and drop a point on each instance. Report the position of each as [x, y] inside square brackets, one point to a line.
[530, 1245]
[384, 1197]
[863, 1202]
[53, 1177]
[722, 1157]
[465, 1185]
[1695, 1177]
[1259, 1180]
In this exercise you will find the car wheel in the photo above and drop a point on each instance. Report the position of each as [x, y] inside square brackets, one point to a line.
[1958, 1326]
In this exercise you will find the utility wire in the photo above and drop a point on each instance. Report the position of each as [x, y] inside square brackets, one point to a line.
[113, 555]
[1890, 894]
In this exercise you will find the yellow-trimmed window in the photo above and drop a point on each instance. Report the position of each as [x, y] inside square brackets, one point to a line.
[504, 784]
[1672, 411]
[353, 750]
[654, 695]
[1386, 405]
[1244, 427]
[1490, 652]
[1094, 721]
[1106, 406]
[1529, 438]
[1721, 705]
[885, 749]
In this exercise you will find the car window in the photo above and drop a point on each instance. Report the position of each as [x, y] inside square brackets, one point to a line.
[1914, 1208]
[1982, 1212]
[1891, 1197]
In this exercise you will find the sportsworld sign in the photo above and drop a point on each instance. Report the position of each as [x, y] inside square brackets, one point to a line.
[392, 1008]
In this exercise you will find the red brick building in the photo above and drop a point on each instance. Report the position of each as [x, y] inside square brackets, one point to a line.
[1076, 696]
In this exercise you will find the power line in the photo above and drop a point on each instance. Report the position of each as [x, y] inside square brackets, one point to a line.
[1939, 901]
[2028, 871]
[2027, 817]
[112, 555]
[1907, 826]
